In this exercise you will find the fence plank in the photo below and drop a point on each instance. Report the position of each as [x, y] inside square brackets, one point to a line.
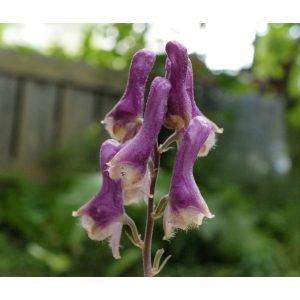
[77, 113]
[36, 127]
[103, 104]
[8, 88]
[60, 71]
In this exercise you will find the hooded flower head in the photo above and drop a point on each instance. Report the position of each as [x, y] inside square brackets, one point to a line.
[179, 104]
[102, 216]
[211, 140]
[125, 119]
[186, 98]
[186, 205]
[130, 164]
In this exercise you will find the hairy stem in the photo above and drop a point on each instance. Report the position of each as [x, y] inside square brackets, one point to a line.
[147, 261]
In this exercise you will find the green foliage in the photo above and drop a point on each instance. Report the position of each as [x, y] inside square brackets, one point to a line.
[274, 50]
[277, 65]
[2, 29]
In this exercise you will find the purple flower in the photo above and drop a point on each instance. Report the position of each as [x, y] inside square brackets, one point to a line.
[102, 216]
[179, 104]
[125, 119]
[131, 163]
[211, 140]
[186, 205]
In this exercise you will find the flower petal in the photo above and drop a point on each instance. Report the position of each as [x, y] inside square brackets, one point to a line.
[179, 104]
[130, 164]
[125, 119]
[115, 240]
[186, 205]
[101, 216]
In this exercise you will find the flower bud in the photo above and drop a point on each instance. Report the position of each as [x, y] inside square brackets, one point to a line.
[102, 216]
[130, 164]
[125, 119]
[186, 205]
[179, 105]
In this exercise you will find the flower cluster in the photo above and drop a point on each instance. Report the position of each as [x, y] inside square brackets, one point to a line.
[127, 161]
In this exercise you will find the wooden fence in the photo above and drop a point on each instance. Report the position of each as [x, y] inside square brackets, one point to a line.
[45, 102]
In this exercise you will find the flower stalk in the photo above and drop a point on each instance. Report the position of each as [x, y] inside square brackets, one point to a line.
[147, 260]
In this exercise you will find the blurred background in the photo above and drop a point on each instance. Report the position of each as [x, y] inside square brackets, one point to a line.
[57, 81]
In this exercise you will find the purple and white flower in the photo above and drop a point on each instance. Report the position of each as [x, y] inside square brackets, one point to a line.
[212, 138]
[131, 163]
[182, 107]
[185, 204]
[179, 105]
[125, 119]
[103, 215]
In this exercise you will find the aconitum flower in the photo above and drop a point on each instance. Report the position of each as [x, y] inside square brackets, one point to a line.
[103, 215]
[211, 140]
[185, 204]
[181, 100]
[179, 104]
[125, 119]
[131, 163]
